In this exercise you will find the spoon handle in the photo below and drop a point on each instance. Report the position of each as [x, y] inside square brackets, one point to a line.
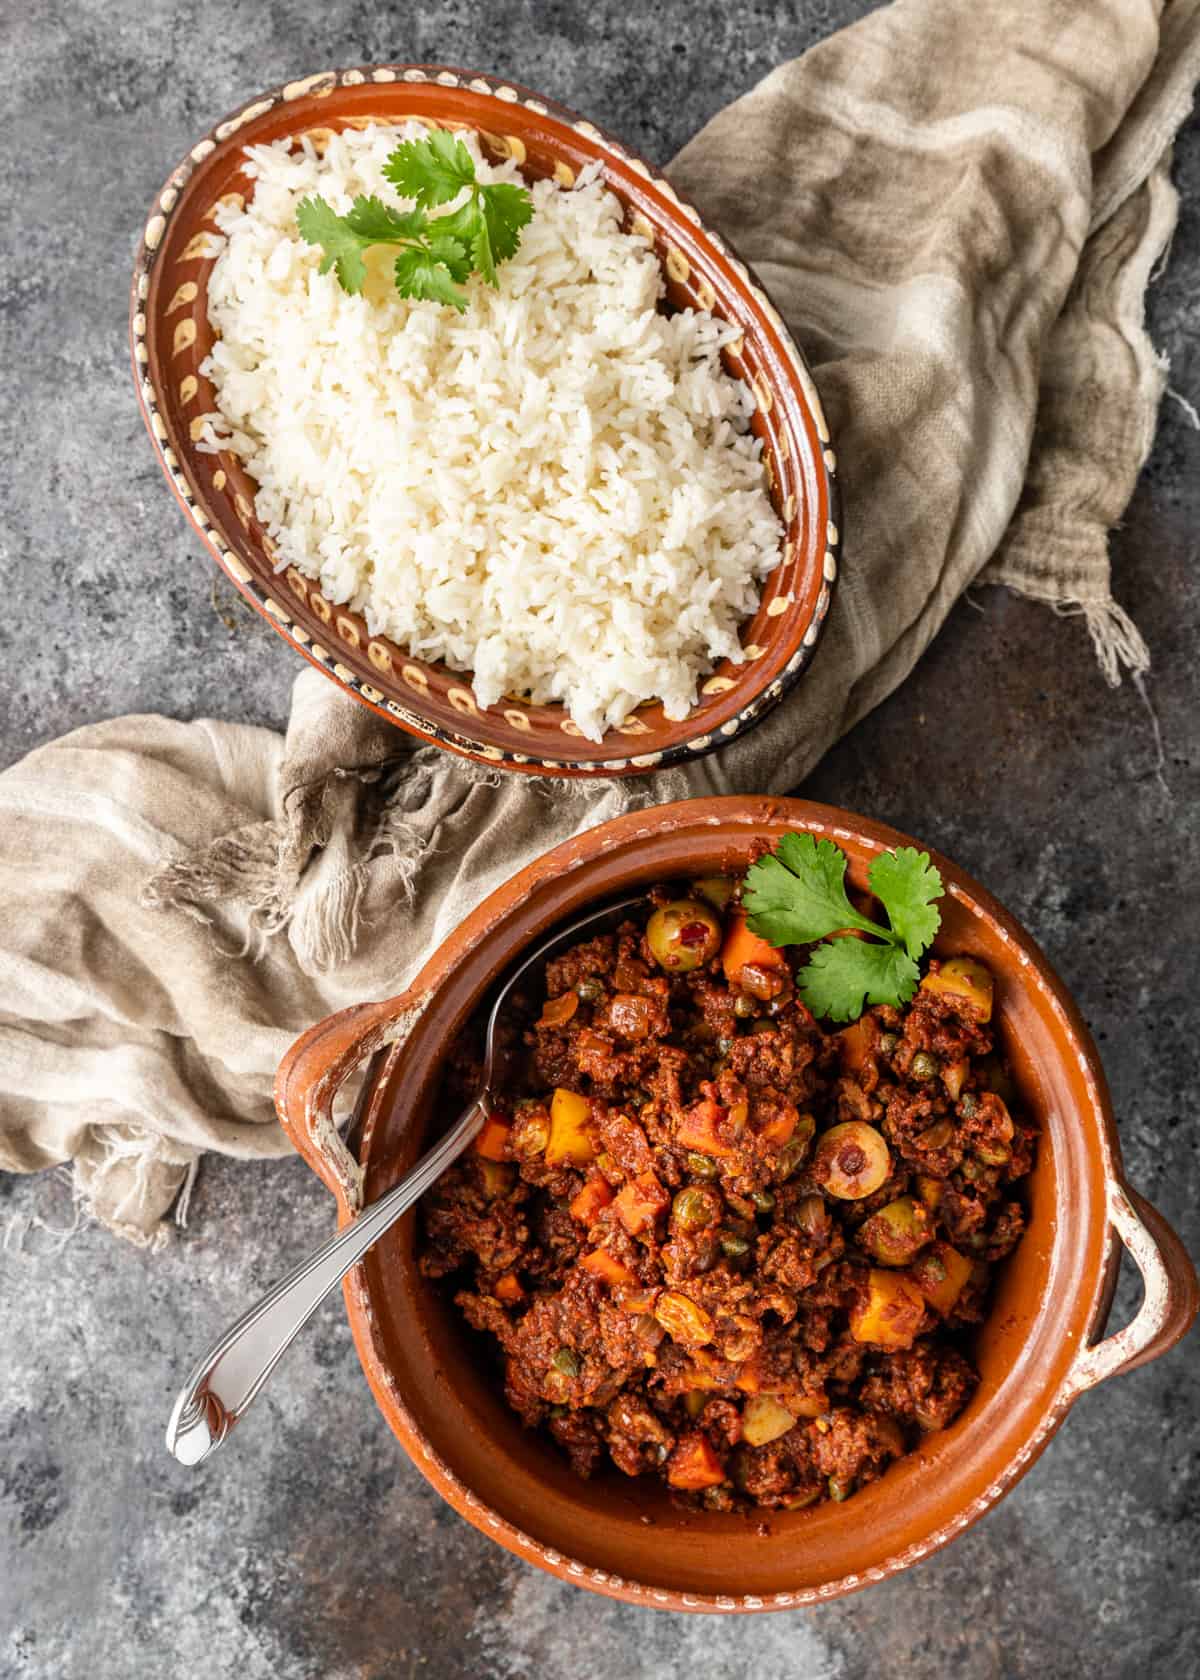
[223, 1385]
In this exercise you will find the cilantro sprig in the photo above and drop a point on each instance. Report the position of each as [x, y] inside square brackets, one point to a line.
[435, 254]
[797, 896]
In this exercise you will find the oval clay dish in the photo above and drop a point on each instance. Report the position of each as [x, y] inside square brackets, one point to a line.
[1036, 1353]
[170, 338]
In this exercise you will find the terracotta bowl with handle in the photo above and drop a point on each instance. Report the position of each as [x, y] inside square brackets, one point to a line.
[170, 338]
[1040, 1348]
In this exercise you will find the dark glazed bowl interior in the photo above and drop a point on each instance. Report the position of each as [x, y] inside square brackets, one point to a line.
[171, 338]
[627, 1536]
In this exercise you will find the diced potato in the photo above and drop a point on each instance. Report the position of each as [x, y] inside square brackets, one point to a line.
[492, 1142]
[764, 1419]
[591, 1200]
[694, 1464]
[930, 1190]
[966, 981]
[570, 1130]
[606, 1266]
[891, 1314]
[941, 1275]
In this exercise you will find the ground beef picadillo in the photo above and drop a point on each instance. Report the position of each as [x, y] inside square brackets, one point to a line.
[717, 1242]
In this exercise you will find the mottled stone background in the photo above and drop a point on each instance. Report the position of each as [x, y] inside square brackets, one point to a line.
[312, 1550]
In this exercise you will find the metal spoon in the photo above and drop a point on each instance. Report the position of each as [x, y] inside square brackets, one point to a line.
[223, 1385]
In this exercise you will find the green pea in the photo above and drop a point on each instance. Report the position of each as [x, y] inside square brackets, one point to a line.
[924, 1066]
[700, 1166]
[743, 1006]
[763, 1200]
[839, 1490]
[590, 991]
[732, 1246]
[888, 1042]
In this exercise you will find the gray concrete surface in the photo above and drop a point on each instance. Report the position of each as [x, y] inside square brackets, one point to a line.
[314, 1551]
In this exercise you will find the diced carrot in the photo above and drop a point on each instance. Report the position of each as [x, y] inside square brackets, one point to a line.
[856, 1042]
[508, 1289]
[781, 1125]
[640, 1202]
[607, 1267]
[570, 1138]
[698, 1129]
[748, 1379]
[595, 1195]
[492, 1142]
[694, 1464]
[742, 947]
[556, 1012]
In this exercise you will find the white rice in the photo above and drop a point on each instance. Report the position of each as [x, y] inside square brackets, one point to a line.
[556, 491]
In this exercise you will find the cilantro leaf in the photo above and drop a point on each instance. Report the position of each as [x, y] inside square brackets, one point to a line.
[320, 224]
[797, 894]
[506, 210]
[376, 223]
[908, 883]
[419, 274]
[481, 251]
[452, 252]
[431, 171]
[845, 973]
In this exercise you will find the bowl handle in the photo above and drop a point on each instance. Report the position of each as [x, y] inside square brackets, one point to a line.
[1169, 1304]
[314, 1071]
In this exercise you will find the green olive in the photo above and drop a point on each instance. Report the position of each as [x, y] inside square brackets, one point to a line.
[851, 1160]
[590, 991]
[924, 1066]
[839, 1490]
[896, 1233]
[565, 1361]
[968, 1105]
[888, 1042]
[763, 1200]
[696, 1207]
[700, 1166]
[743, 1006]
[683, 936]
[734, 1246]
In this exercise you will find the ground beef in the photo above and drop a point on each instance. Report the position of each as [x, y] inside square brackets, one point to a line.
[681, 1291]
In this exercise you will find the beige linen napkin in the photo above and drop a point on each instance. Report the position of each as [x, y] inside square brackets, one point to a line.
[957, 205]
